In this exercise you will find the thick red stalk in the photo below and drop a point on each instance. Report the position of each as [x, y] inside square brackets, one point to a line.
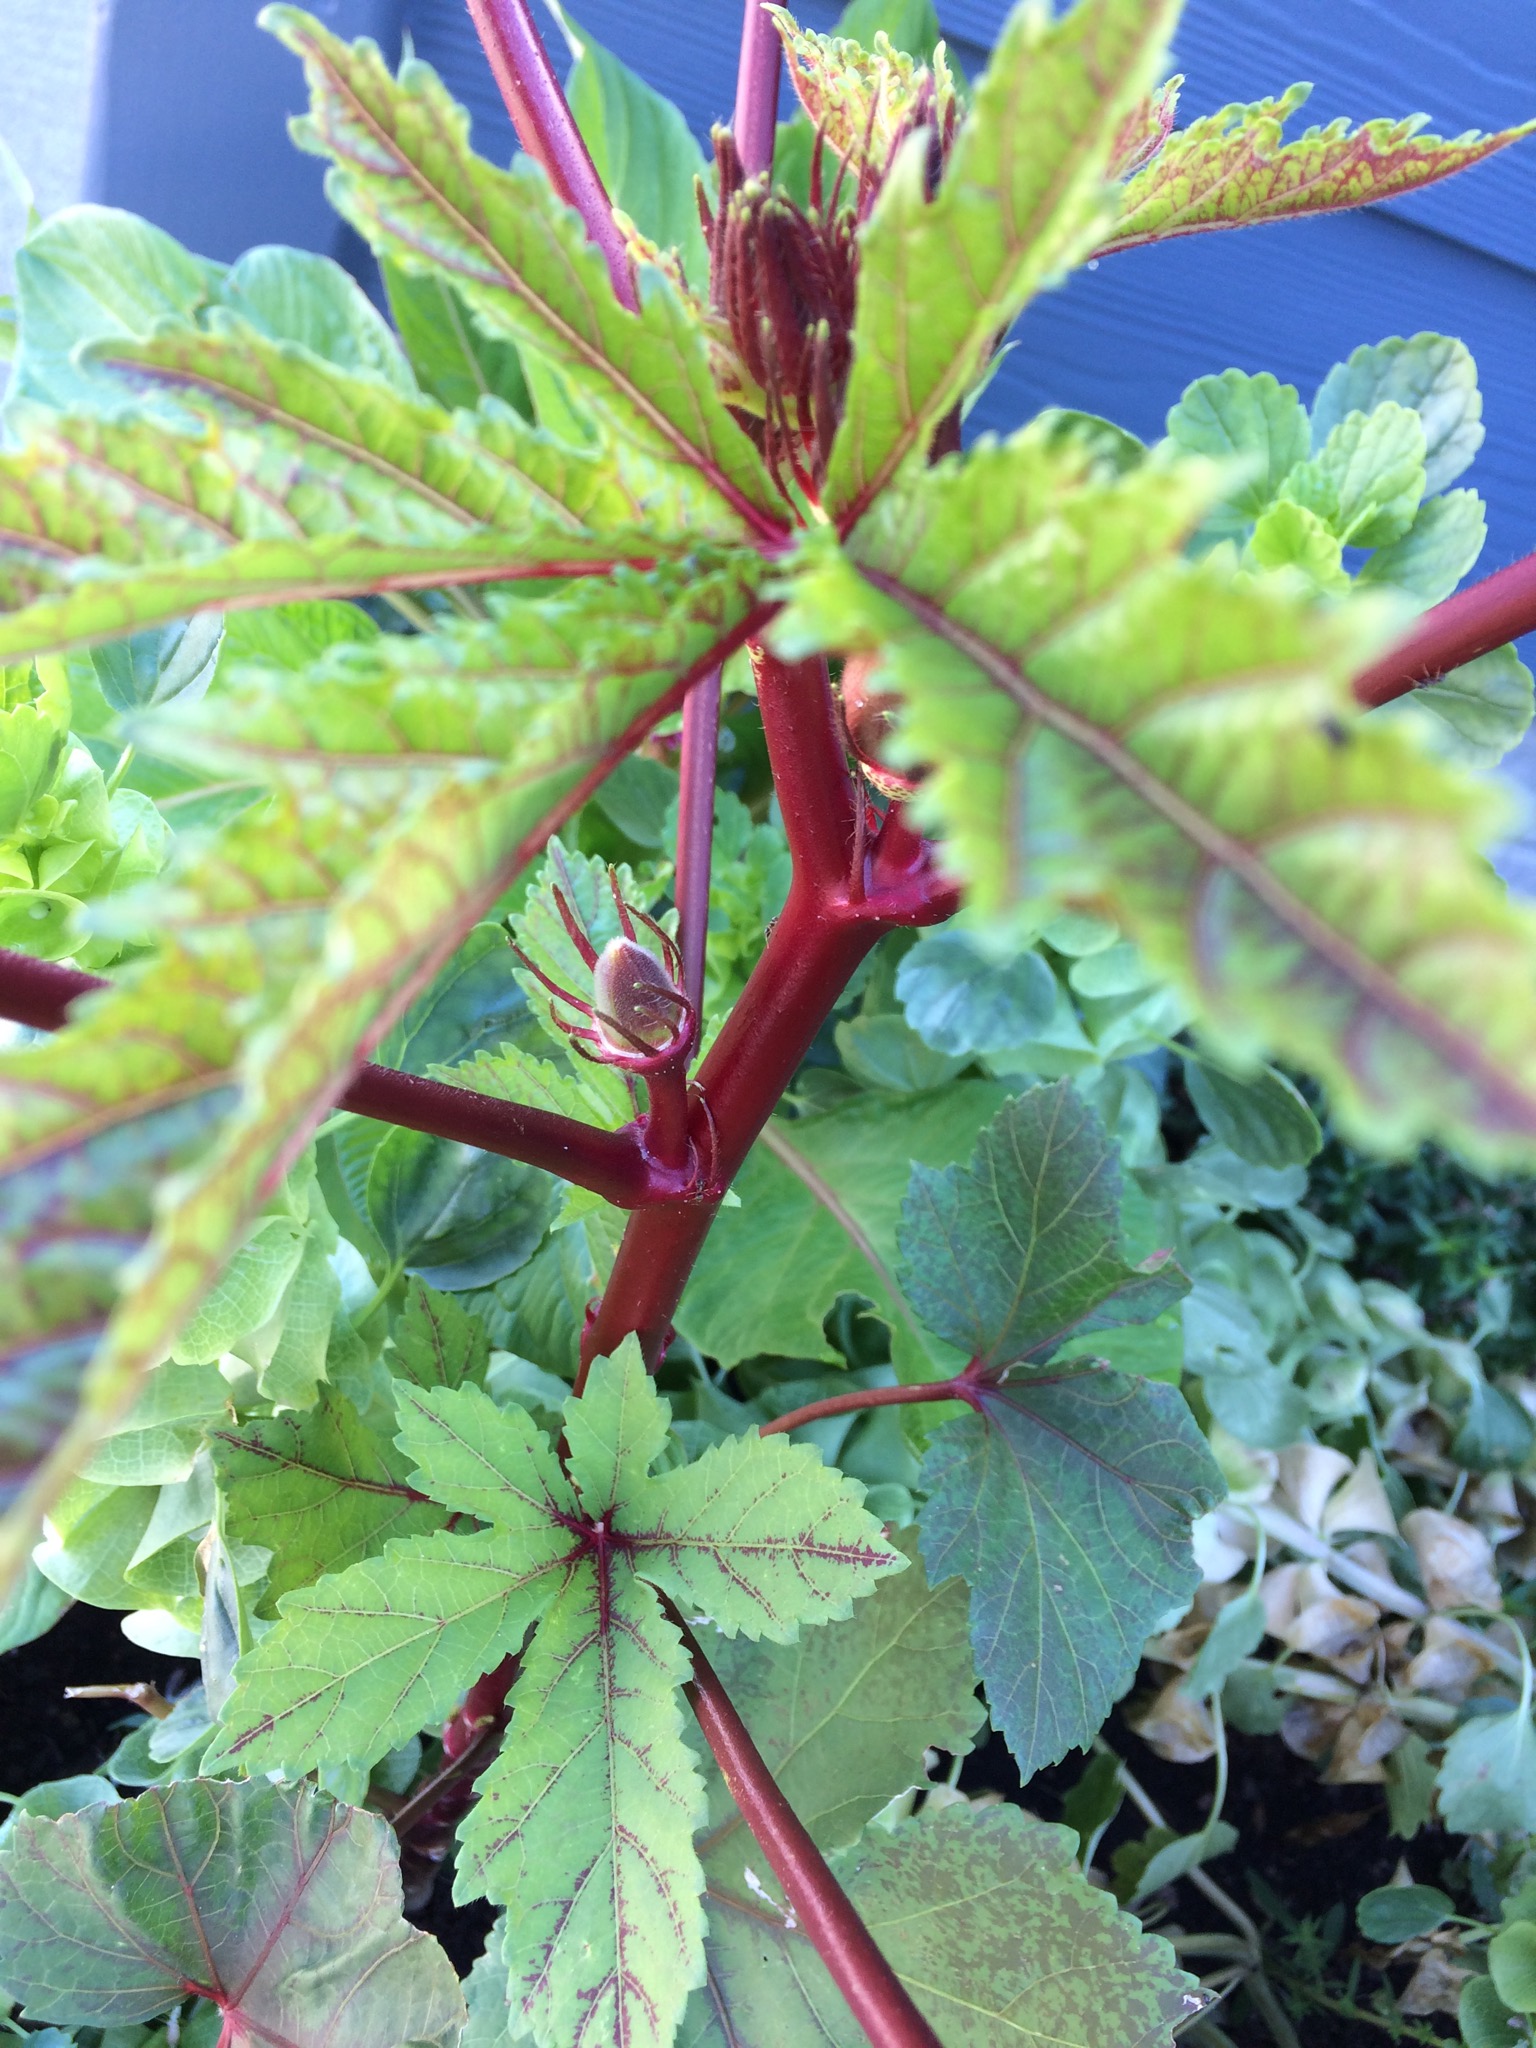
[1475, 621]
[614, 1164]
[810, 766]
[546, 128]
[876, 1996]
[961, 1388]
[757, 90]
[696, 830]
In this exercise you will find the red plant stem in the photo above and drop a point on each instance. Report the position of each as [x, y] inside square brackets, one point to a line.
[546, 128]
[810, 765]
[757, 90]
[696, 830]
[1475, 621]
[961, 1388]
[876, 1996]
[618, 1165]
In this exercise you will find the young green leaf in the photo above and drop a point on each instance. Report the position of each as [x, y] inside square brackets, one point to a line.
[1009, 1256]
[1232, 169]
[1432, 374]
[1062, 1964]
[1366, 480]
[1256, 422]
[278, 1905]
[407, 180]
[1481, 709]
[1399, 1912]
[1430, 559]
[1076, 701]
[864, 99]
[1023, 198]
[1107, 1473]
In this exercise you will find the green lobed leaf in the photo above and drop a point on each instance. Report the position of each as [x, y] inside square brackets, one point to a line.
[278, 1905]
[1233, 169]
[985, 1916]
[1023, 198]
[843, 1715]
[437, 1343]
[585, 1820]
[1107, 724]
[320, 1490]
[1009, 1256]
[408, 878]
[1106, 1474]
[407, 180]
[820, 1202]
[369, 1656]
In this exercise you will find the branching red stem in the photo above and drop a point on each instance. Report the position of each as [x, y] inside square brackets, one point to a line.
[696, 831]
[876, 1996]
[1476, 620]
[615, 1164]
[757, 90]
[546, 128]
[961, 1388]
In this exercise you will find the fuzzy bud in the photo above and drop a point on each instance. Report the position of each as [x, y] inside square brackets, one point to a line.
[637, 1007]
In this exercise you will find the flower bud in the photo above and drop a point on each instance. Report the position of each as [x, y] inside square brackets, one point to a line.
[636, 1005]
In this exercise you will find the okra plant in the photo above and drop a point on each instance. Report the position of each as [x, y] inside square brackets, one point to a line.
[472, 1101]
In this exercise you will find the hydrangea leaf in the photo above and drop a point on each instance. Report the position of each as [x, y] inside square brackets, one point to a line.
[1083, 708]
[1430, 559]
[842, 1716]
[1022, 199]
[1257, 422]
[1064, 1968]
[1431, 373]
[1233, 169]
[407, 180]
[1007, 1257]
[278, 1905]
[320, 1490]
[585, 1821]
[1106, 1474]
[1367, 479]
[820, 1203]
